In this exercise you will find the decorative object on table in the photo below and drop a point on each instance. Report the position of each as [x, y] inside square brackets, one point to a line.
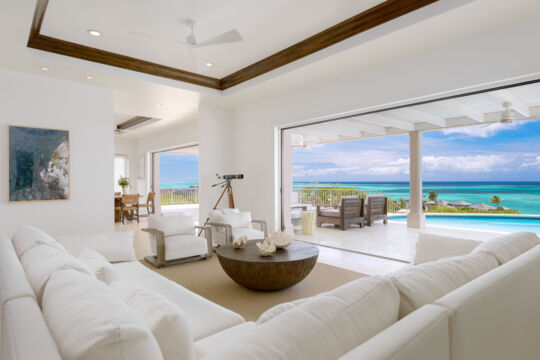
[281, 239]
[38, 164]
[124, 183]
[140, 167]
[240, 242]
[266, 248]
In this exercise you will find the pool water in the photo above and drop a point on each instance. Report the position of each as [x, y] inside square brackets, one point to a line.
[479, 222]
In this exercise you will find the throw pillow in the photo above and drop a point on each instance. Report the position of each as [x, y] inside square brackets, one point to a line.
[28, 237]
[509, 246]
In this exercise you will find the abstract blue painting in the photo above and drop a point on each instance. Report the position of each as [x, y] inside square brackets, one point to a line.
[38, 164]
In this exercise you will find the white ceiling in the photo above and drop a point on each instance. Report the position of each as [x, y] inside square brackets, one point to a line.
[266, 27]
[137, 94]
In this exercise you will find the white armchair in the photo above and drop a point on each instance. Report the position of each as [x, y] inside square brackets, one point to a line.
[228, 225]
[174, 240]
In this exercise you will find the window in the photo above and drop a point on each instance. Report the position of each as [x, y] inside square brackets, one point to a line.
[120, 170]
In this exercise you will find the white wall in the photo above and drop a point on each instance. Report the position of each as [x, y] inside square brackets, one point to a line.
[503, 56]
[87, 112]
[216, 153]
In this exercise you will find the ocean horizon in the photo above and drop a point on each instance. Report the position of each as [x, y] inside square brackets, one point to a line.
[518, 195]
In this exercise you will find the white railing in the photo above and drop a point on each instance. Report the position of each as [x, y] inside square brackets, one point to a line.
[177, 196]
[332, 197]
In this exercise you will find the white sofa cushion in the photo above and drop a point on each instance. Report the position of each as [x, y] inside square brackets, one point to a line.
[205, 317]
[236, 220]
[13, 281]
[25, 335]
[281, 308]
[182, 246]
[88, 321]
[222, 339]
[96, 262]
[325, 327]
[167, 321]
[42, 261]
[115, 247]
[431, 247]
[251, 234]
[423, 335]
[28, 236]
[496, 315]
[509, 246]
[423, 284]
[177, 224]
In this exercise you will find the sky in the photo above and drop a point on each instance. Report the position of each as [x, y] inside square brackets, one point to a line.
[499, 152]
[178, 168]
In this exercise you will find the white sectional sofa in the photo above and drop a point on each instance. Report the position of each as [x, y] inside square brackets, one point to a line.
[482, 305]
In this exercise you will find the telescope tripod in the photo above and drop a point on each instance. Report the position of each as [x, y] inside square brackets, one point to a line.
[227, 188]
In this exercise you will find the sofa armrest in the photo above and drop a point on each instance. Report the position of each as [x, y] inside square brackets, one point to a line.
[159, 236]
[422, 335]
[262, 224]
[208, 235]
[227, 227]
[431, 247]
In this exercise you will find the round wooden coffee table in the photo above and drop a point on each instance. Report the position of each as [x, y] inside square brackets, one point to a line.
[267, 273]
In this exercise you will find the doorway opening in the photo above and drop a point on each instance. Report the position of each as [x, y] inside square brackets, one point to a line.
[175, 180]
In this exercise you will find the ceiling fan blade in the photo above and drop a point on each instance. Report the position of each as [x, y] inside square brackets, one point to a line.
[154, 36]
[227, 37]
[199, 64]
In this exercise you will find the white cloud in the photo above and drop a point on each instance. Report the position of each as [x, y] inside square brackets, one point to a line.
[474, 163]
[481, 130]
[534, 163]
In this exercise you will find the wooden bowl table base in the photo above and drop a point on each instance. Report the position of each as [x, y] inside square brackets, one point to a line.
[284, 269]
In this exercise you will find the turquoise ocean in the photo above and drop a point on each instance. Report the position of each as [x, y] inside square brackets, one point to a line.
[522, 196]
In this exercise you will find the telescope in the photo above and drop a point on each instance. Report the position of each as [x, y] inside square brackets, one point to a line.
[230, 177]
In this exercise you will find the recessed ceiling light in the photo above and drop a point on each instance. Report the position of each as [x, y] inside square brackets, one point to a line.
[93, 32]
[158, 105]
[88, 77]
[45, 68]
[208, 64]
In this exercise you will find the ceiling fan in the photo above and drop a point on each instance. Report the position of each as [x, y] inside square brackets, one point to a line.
[191, 41]
[507, 116]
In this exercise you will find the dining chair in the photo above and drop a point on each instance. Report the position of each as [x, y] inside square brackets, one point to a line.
[150, 203]
[130, 205]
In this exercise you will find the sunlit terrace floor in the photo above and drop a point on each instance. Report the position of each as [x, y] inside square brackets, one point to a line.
[371, 250]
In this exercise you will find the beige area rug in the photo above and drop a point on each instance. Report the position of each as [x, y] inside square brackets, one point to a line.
[207, 278]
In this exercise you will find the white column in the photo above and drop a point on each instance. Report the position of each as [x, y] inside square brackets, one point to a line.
[286, 178]
[416, 217]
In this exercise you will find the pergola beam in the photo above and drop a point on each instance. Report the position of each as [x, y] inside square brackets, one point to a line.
[517, 105]
[418, 116]
[463, 109]
[378, 119]
[359, 125]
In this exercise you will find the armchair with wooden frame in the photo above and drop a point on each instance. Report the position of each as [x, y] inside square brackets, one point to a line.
[350, 211]
[175, 240]
[376, 209]
[230, 224]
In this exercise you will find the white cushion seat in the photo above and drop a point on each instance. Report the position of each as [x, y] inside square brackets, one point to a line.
[326, 326]
[508, 246]
[205, 317]
[182, 246]
[251, 234]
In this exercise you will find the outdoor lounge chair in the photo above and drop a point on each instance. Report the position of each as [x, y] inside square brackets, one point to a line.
[376, 209]
[351, 211]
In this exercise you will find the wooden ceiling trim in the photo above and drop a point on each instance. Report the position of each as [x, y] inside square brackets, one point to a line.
[83, 52]
[376, 16]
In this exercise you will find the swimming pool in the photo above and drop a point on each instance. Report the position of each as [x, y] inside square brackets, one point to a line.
[481, 222]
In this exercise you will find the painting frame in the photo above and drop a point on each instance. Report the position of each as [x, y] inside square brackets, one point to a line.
[60, 161]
